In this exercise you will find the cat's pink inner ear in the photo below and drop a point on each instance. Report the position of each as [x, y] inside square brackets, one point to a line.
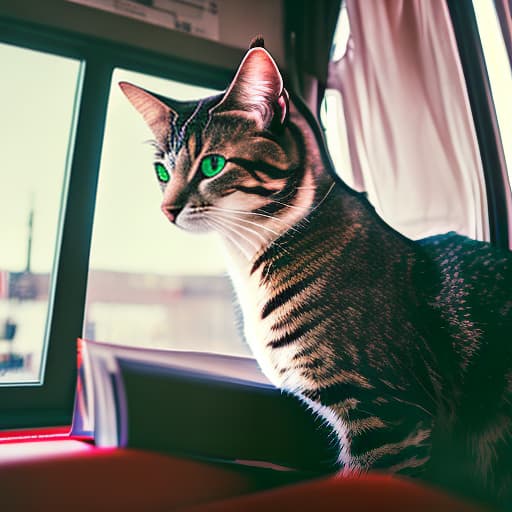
[156, 113]
[257, 86]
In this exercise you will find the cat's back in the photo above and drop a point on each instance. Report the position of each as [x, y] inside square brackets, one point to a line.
[474, 299]
[478, 270]
[473, 294]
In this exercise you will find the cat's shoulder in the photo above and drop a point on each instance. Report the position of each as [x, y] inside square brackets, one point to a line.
[479, 268]
[453, 245]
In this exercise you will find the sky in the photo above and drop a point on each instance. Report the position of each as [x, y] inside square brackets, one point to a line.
[35, 119]
[130, 233]
[499, 71]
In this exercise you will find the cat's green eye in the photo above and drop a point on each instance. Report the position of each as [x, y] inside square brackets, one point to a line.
[162, 173]
[212, 165]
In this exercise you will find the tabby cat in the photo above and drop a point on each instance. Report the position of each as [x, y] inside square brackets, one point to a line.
[403, 347]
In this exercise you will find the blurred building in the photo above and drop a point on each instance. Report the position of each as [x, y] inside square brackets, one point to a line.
[151, 310]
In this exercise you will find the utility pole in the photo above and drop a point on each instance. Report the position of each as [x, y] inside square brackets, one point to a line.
[24, 286]
[30, 234]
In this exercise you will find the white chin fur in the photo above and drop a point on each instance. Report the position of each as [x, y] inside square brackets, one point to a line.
[192, 223]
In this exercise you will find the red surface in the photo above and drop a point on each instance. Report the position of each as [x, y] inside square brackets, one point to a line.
[71, 475]
[376, 493]
[40, 434]
[75, 476]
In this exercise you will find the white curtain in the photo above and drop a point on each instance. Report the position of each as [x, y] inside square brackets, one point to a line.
[409, 126]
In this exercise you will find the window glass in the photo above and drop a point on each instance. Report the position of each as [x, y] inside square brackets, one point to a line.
[151, 284]
[332, 115]
[500, 74]
[341, 37]
[37, 97]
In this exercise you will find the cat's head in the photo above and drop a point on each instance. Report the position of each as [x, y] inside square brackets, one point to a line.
[227, 162]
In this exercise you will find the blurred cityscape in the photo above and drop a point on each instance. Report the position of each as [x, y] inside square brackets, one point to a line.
[181, 312]
[147, 310]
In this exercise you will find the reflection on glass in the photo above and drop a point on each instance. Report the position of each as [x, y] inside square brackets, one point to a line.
[151, 284]
[37, 95]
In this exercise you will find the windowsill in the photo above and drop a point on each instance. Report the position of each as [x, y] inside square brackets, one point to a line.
[38, 447]
[34, 434]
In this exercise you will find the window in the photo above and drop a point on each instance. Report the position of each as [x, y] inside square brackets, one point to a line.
[332, 114]
[150, 284]
[476, 32]
[37, 98]
[55, 90]
[499, 71]
[396, 92]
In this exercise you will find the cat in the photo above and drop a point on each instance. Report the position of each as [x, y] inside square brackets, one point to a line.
[403, 347]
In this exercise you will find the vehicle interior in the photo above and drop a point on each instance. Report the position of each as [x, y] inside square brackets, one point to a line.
[413, 101]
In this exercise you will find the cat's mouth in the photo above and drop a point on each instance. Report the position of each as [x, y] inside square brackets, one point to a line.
[190, 218]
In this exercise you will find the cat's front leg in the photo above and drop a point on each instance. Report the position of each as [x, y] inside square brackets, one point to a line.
[379, 433]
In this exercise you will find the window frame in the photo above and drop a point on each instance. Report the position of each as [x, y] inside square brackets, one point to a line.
[50, 403]
[490, 147]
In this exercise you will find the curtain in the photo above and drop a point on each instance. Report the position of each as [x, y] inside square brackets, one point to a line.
[410, 131]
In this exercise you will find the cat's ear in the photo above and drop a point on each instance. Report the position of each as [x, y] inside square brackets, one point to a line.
[156, 113]
[258, 87]
[257, 41]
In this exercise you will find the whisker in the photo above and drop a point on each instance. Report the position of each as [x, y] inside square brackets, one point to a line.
[428, 393]
[414, 405]
[290, 193]
[221, 229]
[233, 222]
[286, 205]
[155, 144]
[326, 194]
[269, 242]
[159, 148]
[251, 243]
[227, 216]
[241, 212]
[300, 224]
[231, 210]
[269, 266]
[309, 208]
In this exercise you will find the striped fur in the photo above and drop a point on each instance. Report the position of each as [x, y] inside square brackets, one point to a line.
[402, 347]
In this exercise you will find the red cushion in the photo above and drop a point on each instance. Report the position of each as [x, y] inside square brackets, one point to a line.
[74, 476]
[379, 493]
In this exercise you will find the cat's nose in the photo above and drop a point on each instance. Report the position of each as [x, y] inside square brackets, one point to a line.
[171, 212]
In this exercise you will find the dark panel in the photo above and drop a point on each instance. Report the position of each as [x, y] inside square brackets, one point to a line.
[217, 419]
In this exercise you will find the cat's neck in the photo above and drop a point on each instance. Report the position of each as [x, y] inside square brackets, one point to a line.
[314, 184]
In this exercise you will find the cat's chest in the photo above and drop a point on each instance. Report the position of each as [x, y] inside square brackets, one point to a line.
[259, 330]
